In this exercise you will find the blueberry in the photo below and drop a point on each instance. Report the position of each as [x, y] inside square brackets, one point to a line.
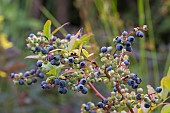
[26, 74]
[62, 83]
[65, 90]
[92, 111]
[83, 81]
[138, 96]
[21, 82]
[53, 62]
[38, 49]
[43, 82]
[60, 90]
[56, 81]
[88, 103]
[128, 43]
[71, 60]
[138, 80]
[146, 105]
[32, 71]
[12, 75]
[130, 82]
[100, 104]
[44, 86]
[31, 35]
[37, 72]
[118, 39]
[39, 64]
[131, 38]
[82, 64]
[104, 101]
[84, 90]
[44, 51]
[57, 58]
[119, 47]
[115, 55]
[103, 49]
[50, 57]
[133, 76]
[129, 48]
[124, 33]
[139, 34]
[34, 80]
[80, 87]
[41, 75]
[87, 108]
[108, 68]
[68, 36]
[158, 89]
[135, 85]
[114, 89]
[50, 48]
[126, 62]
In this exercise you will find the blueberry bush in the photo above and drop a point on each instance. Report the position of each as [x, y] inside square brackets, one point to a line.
[65, 64]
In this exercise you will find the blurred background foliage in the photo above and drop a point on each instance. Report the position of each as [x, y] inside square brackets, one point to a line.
[105, 18]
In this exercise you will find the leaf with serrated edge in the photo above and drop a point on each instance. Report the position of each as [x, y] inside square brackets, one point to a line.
[56, 30]
[72, 41]
[86, 54]
[33, 56]
[166, 109]
[47, 29]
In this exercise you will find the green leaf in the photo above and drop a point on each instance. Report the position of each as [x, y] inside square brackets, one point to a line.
[86, 54]
[90, 55]
[47, 29]
[72, 41]
[52, 72]
[58, 69]
[166, 109]
[55, 71]
[56, 30]
[85, 38]
[48, 66]
[165, 82]
[164, 93]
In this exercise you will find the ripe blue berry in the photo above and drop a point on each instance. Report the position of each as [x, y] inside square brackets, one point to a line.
[129, 48]
[80, 87]
[84, 90]
[92, 111]
[126, 62]
[26, 74]
[130, 82]
[158, 89]
[41, 75]
[83, 81]
[119, 47]
[104, 101]
[21, 82]
[109, 68]
[54, 38]
[38, 49]
[138, 80]
[114, 89]
[56, 81]
[131, 38]
[44, 51]
[39, 64]
[44, 86]
[100, 105]
[71, 60]
[43, 82]
[128, 43]
[133, 76]
[87, 108]
[82, 64]
[138, 96]
[103, 49]
[124, 33]
[34, 80]
[53, 62]
[31, 35]
[50, 48]
[115, 55]
[139, 34]
[146, 105]
[32, 71]
[12, 75]
[68, 36]
[62, 90]
[57, 58]
[62, 83]
[135, 85]
[118, 39]
[65, 90]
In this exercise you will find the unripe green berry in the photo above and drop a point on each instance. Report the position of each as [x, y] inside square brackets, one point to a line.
[139, 90]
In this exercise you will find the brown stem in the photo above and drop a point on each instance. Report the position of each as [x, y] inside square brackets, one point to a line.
[95, 90]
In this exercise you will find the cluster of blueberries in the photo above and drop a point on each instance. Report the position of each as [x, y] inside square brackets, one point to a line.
[134, 81]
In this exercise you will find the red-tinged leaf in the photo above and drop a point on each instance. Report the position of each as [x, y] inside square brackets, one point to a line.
[47, 29]
[56, 30]
[33, 56]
